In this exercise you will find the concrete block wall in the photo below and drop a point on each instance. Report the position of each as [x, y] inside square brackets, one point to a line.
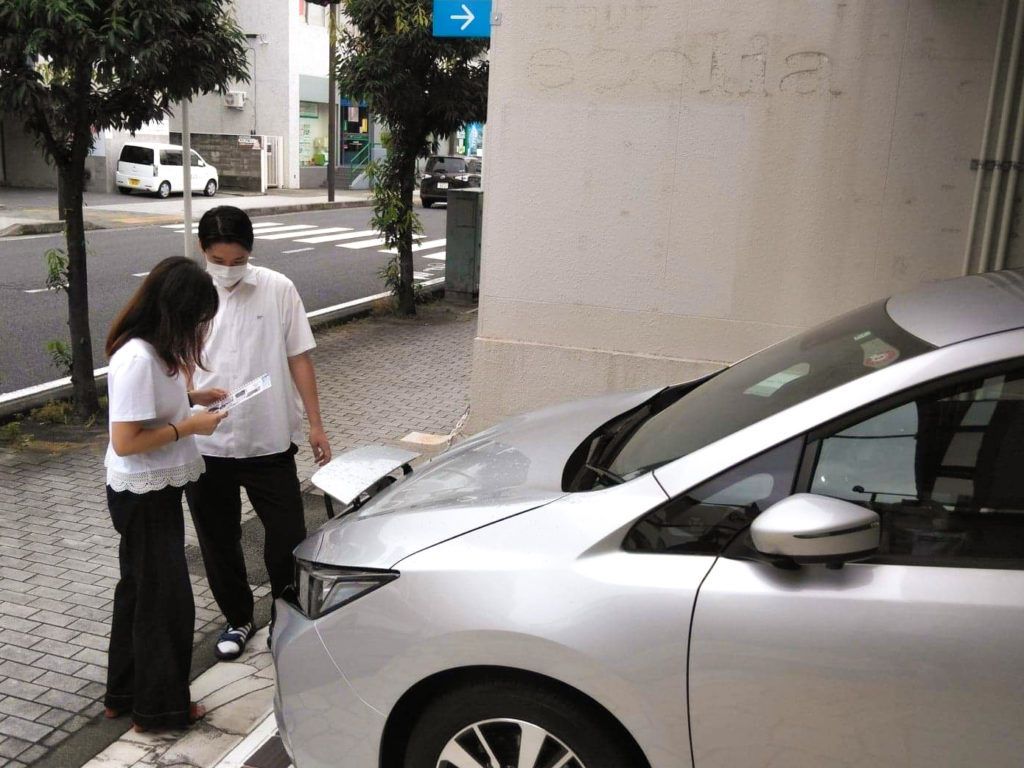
[238, 163]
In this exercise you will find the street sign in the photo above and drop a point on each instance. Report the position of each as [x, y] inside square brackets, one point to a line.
[462, 18]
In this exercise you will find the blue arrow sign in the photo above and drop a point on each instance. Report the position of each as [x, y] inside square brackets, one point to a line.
[462, 18]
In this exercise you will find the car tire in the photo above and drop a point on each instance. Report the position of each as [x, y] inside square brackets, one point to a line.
[427, 203]
[210, 189]
[124, 190]
[508, 714]
[164, 190]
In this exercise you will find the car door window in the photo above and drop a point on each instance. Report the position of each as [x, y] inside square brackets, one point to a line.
[170, 157]
[944, 471]
[195, 159]
[705, 519]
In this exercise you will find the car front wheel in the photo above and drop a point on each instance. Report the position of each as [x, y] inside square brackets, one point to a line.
[210, 189]
[509, 723]
[426, 203]
[164, 190]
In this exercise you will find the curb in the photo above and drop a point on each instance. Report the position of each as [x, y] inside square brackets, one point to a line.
[52, 227]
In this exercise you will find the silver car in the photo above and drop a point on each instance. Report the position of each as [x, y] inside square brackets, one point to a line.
[812, 558]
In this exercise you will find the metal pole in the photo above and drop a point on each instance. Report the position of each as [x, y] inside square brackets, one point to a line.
[986, 130]
[332, 101]
[186, 175]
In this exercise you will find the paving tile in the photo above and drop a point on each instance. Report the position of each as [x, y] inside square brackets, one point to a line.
[23, 729]
[64, 700]
[12, 747]
[61, 682]
[29, 710]
[16, 671]
[55, 738]
[91, 656]
[57, 648]
[21, 689]
[54, 717]
[60, 664]
[21, 655]
[32, 754]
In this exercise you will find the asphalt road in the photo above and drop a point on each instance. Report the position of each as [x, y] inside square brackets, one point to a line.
[325, 273]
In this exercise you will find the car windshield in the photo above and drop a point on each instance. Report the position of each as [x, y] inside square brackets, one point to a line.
[446, 165]
[764, 384]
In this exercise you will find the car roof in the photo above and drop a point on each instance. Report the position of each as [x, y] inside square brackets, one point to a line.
[152, 145]
[950, 311]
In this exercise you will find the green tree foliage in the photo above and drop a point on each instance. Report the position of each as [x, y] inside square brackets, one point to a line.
[69, 67]
[421, 87]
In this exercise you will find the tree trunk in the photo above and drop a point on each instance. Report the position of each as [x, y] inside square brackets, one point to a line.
[406, 296]
[83, 382]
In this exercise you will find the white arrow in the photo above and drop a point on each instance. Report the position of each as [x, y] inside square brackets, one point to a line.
[468, 18]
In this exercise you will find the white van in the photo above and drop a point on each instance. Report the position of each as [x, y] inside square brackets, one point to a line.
[158, 168]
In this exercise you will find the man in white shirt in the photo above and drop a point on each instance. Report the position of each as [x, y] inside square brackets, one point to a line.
[260, 328]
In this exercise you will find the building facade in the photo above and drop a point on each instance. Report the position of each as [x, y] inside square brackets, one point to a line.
[721, 175]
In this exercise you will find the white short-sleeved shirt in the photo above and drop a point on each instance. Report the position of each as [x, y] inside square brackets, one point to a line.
[139, 389]
[259, 325]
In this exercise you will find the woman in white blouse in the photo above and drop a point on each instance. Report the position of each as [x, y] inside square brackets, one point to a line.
[154, 344]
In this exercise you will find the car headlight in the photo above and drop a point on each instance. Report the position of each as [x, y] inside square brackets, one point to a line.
[461, 177]
[323, 588]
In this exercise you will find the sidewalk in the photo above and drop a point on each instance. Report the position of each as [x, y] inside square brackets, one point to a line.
[34, 211]
[379, 379]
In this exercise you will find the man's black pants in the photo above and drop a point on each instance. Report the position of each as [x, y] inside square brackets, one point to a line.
[150, 650]
[272, 485]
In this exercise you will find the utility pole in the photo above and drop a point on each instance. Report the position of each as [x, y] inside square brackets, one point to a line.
[332, 99]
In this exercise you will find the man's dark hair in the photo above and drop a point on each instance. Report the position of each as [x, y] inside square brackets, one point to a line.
[225, 224]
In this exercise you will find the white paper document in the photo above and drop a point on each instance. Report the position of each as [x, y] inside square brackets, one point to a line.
[245, 392]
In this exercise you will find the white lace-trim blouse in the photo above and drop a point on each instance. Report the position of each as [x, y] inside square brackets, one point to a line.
[140, 390]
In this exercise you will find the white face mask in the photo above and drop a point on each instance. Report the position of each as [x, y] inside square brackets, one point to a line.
[225, 276]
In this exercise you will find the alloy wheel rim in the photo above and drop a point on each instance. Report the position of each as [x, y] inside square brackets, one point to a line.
[506, 743]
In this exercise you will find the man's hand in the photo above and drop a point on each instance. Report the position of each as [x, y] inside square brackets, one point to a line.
[321, 448]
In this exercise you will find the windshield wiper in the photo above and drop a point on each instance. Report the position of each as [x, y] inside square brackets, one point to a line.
[607, 474]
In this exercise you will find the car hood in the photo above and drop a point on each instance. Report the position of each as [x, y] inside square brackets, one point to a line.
[502, 471]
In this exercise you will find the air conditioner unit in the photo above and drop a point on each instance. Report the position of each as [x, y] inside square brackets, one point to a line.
[235, 99]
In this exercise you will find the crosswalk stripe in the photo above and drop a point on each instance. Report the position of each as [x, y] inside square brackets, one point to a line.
[330, 238]
[439, 256]
[283, 235]
[368, 243]
[419, 246]
[259, 224]
[291, 228]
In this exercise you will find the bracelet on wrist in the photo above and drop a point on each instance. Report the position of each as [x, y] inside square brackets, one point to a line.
[176, 434]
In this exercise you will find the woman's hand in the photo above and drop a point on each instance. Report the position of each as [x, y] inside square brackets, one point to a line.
[203, 422]
[207, 397]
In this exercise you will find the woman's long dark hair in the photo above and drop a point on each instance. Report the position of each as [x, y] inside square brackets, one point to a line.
[171, 310]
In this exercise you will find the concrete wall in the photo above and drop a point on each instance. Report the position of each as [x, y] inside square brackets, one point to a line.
[268, 108]
[674, 184]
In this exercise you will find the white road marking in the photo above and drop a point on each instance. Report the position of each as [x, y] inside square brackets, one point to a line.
[139, 274]
[300, 250]
[40, 290]
[419, 246]
[367, 243]
[284, 235]
[289, 228]
[331, 238]
[439, 256]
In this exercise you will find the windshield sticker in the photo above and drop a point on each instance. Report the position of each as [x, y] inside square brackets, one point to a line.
[878, 354]
[775, 382]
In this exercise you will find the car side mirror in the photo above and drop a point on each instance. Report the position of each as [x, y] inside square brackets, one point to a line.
[807, 528]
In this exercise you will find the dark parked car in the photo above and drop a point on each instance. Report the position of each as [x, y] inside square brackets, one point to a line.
[444, 172]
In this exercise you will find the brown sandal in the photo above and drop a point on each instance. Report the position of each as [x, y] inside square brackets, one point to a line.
[196, 712]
